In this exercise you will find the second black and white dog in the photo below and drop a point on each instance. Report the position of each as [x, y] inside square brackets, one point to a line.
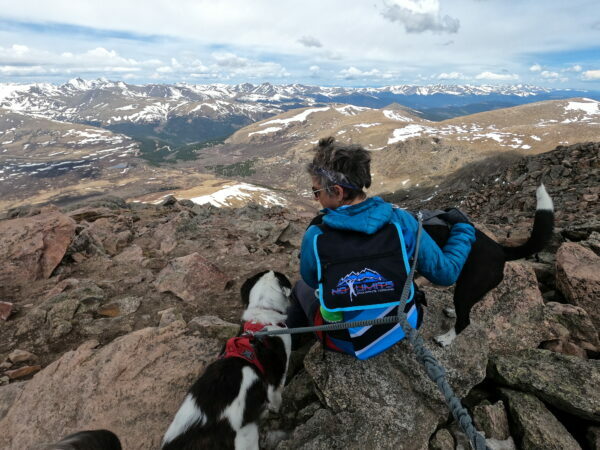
[223, 407]
[484, 268]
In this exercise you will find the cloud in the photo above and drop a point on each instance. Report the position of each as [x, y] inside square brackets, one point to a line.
[535, 68]
[352, 73]
[497, 76]
[450, 76]
[575, 68]
[309, 41]
[419, 16]
[591, 75]
[314, 70]
[548, 74]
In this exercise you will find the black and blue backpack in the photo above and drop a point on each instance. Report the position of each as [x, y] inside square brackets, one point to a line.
[362, 277]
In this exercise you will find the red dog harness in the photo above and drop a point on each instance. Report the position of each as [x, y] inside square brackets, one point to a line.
[241, 346]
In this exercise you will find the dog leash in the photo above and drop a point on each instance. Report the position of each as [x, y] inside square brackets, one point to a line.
[435, 371]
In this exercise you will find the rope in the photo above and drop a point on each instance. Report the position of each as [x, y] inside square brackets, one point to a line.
[435, 371]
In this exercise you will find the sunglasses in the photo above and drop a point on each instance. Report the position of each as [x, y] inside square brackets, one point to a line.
[316, 192]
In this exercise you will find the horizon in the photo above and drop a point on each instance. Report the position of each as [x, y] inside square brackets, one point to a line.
[385, 43]
[257, 84]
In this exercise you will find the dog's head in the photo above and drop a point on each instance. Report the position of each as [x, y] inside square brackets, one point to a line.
[267, 290]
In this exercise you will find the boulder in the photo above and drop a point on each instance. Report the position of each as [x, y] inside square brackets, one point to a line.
[442, 440]
[18, 356]
[578, 278]
[131, 255]
[535, 427]
[388, 401]
[512, 314]
[112, 233]
[190, 277]
[575, 334]
[32, 247]
[492, 420]
[565, 382]
[144, 376]
[214, 327]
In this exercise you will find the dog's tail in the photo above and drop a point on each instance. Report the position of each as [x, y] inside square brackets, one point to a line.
[88, 440]
[541, 234]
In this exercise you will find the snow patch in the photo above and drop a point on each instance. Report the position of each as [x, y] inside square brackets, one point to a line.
[242, 191]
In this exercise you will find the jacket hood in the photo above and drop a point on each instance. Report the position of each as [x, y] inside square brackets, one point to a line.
[367, 216]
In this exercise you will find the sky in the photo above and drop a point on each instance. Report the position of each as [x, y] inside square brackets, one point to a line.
[550, 43]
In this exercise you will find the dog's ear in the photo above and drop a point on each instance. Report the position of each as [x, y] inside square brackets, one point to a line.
[284, 283]
[248, 285]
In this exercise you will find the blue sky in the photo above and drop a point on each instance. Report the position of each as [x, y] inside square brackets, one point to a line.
[548, 43]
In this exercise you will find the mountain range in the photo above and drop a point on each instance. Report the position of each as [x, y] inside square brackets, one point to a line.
[84, 138]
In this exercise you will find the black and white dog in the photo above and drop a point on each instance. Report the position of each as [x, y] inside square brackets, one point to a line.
[223, 407]
[484, 268]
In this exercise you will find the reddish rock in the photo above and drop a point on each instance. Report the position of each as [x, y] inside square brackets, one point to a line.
[190, 277]
[6, 309]
[32, 247]
[512, 314]
[578, 278]
[132, 254]
[132, 386]
[22, 372]
[19, 356]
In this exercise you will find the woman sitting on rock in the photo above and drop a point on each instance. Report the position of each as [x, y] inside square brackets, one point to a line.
[355, 256]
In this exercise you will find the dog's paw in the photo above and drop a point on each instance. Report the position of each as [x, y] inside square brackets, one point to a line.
[450, 312]
[275, 399]
[446, 339]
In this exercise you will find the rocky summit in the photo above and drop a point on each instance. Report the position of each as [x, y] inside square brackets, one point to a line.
[109, 310]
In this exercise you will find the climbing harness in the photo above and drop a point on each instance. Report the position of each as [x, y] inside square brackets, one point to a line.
[435, 371]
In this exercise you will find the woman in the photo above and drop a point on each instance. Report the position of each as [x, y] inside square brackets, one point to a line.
[339, 176]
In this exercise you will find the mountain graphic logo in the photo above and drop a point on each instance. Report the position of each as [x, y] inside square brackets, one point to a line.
[364, 282]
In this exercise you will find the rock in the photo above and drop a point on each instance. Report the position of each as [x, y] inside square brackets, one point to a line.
[112, 234]
[144, 376]
[566, 382]
[592, 435]
[169, 200]
[575, 334]
[4, 380]
[592, 242]
[512, 314]
[8, 395]
[408, 405]
[22, 372]
[6, 309]
[120, 307]
[18, 356]
[34, 320]
[536, 427]
[565, 347]
[190, 277]
[578, 278]
[213, 327]
[495, 444]
[168, 316]
[492, 420]
[442, 440]
[131, 255]
[32, 247]
[5, 365]
[106, 328]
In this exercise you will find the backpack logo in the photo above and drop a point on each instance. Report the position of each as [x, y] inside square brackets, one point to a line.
[367, 281]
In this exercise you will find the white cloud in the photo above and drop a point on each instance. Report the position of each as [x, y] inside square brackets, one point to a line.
[575, 68]
[309, 41]
[497, 76]
[352, 73]
[591, 75]
[418, 16]
[314, 70]
[548, 74]
[450, 76]
[535, 68]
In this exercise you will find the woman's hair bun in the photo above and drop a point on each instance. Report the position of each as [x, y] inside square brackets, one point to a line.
[326, 142]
